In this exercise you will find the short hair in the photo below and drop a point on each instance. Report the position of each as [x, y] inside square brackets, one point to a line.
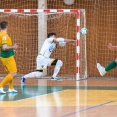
[51, 34]
[3, 24]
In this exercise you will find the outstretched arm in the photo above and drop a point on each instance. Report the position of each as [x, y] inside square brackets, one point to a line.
[110, 46]
[69, 40]
[64, 40]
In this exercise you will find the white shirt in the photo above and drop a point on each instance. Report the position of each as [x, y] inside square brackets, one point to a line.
[47, 47]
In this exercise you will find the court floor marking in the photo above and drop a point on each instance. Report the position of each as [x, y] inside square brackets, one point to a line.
[85, 109]
[39, 96]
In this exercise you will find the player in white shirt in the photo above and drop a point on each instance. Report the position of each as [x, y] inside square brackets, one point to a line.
[43, 59]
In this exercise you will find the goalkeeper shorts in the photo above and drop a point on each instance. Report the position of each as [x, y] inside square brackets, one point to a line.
[43, 62]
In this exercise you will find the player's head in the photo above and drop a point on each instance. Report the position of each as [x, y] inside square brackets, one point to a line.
[52, 35]
[3, 25]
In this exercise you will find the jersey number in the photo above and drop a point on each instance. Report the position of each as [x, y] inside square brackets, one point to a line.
[51, 48]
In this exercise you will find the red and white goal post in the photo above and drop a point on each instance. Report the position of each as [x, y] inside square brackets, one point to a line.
[65, 22]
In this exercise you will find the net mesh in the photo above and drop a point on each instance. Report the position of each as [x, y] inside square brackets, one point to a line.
[24, 30]
[101, 18]
[101, 25]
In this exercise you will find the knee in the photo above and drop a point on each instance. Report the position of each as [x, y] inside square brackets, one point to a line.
[38, 74]
[14, 74]
[59, 62]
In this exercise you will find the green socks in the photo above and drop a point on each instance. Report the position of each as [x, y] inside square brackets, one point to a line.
[110, 66]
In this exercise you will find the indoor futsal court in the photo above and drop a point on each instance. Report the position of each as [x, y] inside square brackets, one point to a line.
[84, 66]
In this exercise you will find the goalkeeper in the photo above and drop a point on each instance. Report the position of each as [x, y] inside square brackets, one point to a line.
[43, 59]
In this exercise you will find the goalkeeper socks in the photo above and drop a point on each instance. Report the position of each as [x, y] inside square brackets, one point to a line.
[110, 66]
[7, 79]
[33, 75]
[57, 68]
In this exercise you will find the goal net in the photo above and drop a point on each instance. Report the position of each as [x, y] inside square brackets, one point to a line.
[29, 30]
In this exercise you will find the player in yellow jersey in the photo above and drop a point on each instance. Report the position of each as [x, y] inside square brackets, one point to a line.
[7, 57]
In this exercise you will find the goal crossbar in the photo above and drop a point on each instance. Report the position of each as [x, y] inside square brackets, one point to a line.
[77, 11]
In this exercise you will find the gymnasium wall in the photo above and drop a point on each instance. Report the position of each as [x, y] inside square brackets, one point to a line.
[101, 23]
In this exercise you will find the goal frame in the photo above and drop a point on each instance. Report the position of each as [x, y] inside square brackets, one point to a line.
[77, 11]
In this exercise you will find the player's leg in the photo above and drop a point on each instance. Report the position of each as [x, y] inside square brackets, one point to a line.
[39, 70]
[36, 74]
[11, 89]
[58, 64]
[10, 66]
[6, 80]
[109, 67]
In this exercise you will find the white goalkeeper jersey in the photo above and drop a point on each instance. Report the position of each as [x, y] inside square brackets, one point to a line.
[48, 47]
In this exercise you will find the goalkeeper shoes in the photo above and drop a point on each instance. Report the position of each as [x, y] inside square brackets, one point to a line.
[56, 78]
[23, 80]
[101, 69]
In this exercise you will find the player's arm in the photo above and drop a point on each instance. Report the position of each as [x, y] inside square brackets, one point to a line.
[50, 40]
[6, 47]
[110, 46]
[64, 40]
[5, 44]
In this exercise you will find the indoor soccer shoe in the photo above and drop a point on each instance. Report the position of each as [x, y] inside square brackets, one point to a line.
[56, 78]
[12, 91]
[2, 91]
[23, 80]
[101, 69]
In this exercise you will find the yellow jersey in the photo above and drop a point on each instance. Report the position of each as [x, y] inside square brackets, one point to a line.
[5, 39]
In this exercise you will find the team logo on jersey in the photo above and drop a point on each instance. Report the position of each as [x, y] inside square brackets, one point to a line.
[4, 38]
